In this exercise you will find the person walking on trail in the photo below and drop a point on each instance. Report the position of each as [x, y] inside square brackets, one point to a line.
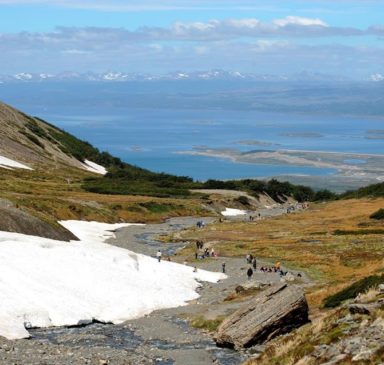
[223, 267]
[158, 255]
[249, 273]
[254, 263]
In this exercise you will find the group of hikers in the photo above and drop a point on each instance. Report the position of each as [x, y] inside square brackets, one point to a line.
[206, 252]
[252, 218]
[251, 260]
[202, 252]
[291, 208]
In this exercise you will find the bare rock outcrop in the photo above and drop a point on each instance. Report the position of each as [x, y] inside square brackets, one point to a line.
[276, 311]
[16, 220]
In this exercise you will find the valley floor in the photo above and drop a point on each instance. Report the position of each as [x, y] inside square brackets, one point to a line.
[164, 336]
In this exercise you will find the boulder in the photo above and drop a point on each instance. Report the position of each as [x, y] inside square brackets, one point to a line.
[381, 288]
[275, 311]
[250, 285]
[362, 308]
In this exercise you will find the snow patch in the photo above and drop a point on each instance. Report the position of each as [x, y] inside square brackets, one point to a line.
[94, 167]
[7, 163]
[46, 283]
[230, 212]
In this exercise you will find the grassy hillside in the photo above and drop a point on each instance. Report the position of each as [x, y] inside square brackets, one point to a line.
[57, 195]
[309, 241]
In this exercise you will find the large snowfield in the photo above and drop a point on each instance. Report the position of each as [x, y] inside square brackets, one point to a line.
[53, 283]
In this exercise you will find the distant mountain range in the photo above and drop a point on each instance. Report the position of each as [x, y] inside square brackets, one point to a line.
[196, 75]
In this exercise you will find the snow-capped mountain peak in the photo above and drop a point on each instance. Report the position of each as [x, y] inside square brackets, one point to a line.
[377, 77]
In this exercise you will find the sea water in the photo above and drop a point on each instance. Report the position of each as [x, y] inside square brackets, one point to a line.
[166, 139]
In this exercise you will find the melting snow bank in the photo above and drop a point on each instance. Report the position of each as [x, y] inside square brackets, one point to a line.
[8, 163]
[230, 212]
[94, 167]
[46, 283]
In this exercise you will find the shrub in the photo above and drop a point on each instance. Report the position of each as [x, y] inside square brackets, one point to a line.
[207, 324]
[33, 139]
[341, 232]
[374, 191]
[353, 290]
[379, 214]
[243, 200]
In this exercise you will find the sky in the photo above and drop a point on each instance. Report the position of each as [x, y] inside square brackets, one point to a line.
[343, 37]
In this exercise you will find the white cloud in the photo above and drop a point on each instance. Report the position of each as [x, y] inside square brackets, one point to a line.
[278, 45]
[296, 20]
[244, 23]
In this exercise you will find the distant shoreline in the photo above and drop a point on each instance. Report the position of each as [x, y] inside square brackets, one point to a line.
[347, 172]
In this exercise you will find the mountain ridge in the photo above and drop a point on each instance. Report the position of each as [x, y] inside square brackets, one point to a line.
[215, 74]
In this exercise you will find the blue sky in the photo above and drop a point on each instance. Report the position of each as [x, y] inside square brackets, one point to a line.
[338, 37]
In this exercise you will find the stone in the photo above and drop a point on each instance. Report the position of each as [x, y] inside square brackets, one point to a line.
[276, 311]
[335, 360]
[358, 309]
[363, 355]
[248, 286]
[289, 277]
[381, 288]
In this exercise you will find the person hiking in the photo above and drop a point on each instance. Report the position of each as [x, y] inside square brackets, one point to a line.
[158, 255]
[249, 273]
[254, 263]
[223, 267]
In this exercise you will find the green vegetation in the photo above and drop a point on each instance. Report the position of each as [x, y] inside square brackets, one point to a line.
[210, 325]
[353, 290]
[372, 191]
[341, 232]
[277, 190]
[37, 130]
[378, 215]
[156, 207]
[132, 180]
[33, 139]
[82, 150]
[242, 200]
[71, 145]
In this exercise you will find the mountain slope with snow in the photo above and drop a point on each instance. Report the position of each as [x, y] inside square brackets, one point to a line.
[26, 142]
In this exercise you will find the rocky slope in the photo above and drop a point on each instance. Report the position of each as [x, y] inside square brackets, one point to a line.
[17, 220]
[31, 141]
[351, 334]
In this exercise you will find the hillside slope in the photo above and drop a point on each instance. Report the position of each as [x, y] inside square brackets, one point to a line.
[31, 141]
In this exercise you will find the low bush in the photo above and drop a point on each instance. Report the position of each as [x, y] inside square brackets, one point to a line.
[207, 324]
[243, 200]
[379, 214]
[358, 232]
[353, 290]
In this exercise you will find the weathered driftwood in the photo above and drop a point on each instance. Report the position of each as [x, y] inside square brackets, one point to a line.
[275, 311]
